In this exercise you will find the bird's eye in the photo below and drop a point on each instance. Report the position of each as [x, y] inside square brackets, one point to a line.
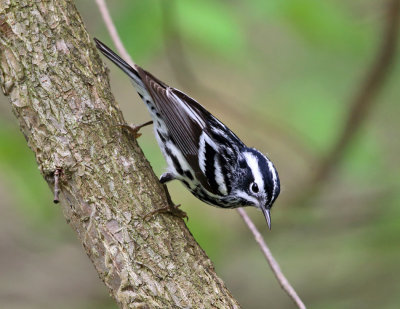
[254, 187]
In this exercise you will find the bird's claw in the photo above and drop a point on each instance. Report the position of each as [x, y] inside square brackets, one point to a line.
[134, 130]
[171, 209]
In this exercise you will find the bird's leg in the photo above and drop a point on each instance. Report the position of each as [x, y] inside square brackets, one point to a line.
[134, 130]
[170, 208]
[166, 177]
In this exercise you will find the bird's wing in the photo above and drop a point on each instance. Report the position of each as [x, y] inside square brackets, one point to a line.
[184, 122]
[187, 122]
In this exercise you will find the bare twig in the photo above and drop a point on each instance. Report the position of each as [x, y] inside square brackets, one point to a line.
[271, 261]
[113, 32]
[364, 98]
[57, 174]
[134, 129]
[283, 282]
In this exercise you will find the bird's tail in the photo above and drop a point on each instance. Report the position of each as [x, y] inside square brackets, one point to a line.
[132, 72]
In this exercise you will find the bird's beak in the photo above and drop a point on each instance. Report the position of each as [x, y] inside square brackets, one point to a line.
[267, 216]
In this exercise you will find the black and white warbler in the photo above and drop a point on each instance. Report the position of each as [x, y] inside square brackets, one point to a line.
[201, 152]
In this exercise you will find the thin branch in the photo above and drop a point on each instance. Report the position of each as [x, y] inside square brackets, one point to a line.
[270, 259]
[113, 32]
[283, 282]
[364, 98]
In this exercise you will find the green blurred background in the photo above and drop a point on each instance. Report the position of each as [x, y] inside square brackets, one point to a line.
[281, 74]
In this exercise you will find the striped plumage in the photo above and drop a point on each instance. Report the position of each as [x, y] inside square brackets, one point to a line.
[201, 152]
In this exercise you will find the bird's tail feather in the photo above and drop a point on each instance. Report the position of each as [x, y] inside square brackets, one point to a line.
[122, 64]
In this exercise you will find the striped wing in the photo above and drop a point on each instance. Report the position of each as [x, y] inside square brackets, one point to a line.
[189, 124]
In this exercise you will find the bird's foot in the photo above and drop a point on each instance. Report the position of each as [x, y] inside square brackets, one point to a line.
[134, 130]
[171, 209]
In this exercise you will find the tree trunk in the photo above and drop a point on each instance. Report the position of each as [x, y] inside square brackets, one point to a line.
[60, 93]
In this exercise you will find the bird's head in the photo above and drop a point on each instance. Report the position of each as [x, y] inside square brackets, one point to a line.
[257, 182]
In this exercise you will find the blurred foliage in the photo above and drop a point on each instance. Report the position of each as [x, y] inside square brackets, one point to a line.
[23, 178]
[290, 67]
[143, 15]
[211, 26]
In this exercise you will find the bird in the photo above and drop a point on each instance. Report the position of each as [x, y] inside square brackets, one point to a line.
[200, 151]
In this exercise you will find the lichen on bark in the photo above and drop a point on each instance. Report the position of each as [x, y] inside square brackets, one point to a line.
[59, 92]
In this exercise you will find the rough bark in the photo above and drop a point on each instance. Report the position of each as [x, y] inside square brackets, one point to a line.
[60, 93]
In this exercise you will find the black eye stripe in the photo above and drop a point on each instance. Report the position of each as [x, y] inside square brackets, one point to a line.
[243, 164]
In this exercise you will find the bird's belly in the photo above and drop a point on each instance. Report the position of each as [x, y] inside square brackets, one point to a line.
[221, 201]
